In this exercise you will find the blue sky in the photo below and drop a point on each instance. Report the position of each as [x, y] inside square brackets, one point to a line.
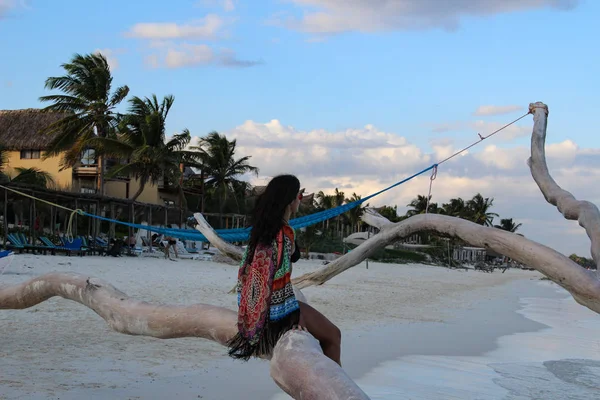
[412, 70]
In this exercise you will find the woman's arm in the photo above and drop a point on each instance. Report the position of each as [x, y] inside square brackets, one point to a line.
[296, 253]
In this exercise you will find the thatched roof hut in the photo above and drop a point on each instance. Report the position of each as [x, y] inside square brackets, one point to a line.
[22, 129]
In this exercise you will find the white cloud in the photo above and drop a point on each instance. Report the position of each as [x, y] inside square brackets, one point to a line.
[111, 57]
[365, 160]
[173, 45]
[496, 110]
[485, 128]
[563, 153]
[6, 6]
[206, 28]
[337, 16]
[174, 55]
[227, 5]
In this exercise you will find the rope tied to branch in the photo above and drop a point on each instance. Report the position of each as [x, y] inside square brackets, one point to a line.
[431, 179]
[69, 232]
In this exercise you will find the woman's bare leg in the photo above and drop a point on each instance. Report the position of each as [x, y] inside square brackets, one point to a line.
[328, 335]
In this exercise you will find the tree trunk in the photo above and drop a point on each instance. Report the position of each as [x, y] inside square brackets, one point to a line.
[139, 191]
[298, 365]
[101, 175]
[182, 200]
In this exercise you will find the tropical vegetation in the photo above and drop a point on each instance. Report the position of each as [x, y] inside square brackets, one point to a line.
[89, 105]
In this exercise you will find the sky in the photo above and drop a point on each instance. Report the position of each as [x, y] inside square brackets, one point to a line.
[353, 94]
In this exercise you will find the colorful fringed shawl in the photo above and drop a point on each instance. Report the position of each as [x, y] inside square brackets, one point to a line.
[266, 300]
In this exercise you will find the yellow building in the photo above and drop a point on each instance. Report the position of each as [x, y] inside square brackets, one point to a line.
[20, 135]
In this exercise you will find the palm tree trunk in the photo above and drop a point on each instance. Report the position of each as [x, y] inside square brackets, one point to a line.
[139, 191]
[101, 176]
[182, 199]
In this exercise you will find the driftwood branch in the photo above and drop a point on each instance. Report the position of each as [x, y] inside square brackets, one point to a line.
[373, 218]
[230, 250]
[572, 209]
[298, 365]
[581, 283]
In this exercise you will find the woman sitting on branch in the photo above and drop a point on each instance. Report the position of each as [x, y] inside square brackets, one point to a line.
[267, 305]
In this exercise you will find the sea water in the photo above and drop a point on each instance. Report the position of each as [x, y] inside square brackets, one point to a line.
[561, 361]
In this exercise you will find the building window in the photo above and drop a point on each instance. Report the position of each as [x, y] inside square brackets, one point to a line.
[88, 157]
[30, 154]
[87, 186]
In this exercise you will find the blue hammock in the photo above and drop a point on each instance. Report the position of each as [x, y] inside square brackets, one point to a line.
[242, 234]
[6, 257]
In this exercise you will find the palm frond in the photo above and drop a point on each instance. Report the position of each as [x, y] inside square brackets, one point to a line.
[33, 176]
[119, 95]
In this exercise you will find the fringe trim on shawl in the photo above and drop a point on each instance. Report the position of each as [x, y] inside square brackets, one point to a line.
[241, 348]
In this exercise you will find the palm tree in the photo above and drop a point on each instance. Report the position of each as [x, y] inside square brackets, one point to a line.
[217, 157]
[389, 212]
[325, 202]
[89, 105]
[32, 176]
[29, 176]
[479, 210]
[338, 200]
[419, 205]
[142, 141]
[507, 224]
[455, 208]
[355, 213]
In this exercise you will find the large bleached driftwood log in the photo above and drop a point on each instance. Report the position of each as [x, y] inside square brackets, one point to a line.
[579, 210]
[298, 365]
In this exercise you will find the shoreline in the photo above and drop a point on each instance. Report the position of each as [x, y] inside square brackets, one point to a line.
[76, 355]
[559, 361]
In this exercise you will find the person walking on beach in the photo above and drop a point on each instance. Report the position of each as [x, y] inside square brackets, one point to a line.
[167, 242]
[171, 242]
[267, 306]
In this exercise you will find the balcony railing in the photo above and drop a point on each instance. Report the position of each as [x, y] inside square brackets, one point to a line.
[94, 170]
[86, 170]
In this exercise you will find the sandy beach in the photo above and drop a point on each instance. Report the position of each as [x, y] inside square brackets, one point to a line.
[60, 349]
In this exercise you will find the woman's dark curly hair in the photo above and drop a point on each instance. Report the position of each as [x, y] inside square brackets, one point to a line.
[267, 217]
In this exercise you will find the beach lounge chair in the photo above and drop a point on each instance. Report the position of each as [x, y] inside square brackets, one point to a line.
[91, 246]
[33, 246]
[74, 246]
[67, 247]
[52, 246]
[14, 243]
[183, 253]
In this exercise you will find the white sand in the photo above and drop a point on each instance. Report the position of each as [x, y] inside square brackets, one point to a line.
[60, 347]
